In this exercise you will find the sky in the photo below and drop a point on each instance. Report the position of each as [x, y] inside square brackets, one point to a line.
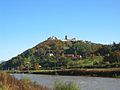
[25, 23]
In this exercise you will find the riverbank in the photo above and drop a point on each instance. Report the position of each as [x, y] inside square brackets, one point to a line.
[101, 72]
[8, 82]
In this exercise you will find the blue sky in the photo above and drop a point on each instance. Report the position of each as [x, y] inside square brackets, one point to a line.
[25, 23]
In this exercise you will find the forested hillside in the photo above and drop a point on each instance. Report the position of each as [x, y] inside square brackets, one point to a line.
[54, 53]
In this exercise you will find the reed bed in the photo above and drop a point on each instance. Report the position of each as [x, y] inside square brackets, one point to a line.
[8, 82]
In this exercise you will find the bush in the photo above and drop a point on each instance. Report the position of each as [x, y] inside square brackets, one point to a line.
[65, 86]
[8, 82]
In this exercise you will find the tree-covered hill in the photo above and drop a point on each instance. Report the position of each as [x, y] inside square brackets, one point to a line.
[54, 53]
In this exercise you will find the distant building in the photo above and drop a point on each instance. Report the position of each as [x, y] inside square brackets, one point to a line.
[52, 38]
[73, 39]
[51, 54]
[66, 39]
[72, 56]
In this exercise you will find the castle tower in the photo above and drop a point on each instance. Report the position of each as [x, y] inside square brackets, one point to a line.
[66, 37]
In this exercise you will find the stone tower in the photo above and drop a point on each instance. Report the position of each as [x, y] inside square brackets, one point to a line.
[66, 38]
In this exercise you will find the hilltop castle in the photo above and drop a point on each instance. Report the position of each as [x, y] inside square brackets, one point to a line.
[65, 39]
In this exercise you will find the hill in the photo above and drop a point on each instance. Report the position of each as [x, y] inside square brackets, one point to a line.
[54, 53]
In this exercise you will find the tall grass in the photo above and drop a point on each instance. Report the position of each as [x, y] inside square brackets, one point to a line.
[8, 82]
[59, 85]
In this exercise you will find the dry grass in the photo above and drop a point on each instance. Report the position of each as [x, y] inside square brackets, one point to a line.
[8, 82]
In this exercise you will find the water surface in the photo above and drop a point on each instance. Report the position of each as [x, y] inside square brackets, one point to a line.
[85, 83]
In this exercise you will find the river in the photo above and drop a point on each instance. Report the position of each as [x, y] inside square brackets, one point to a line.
[85, 83]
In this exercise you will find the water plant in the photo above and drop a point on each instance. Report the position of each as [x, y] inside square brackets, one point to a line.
[60, 85]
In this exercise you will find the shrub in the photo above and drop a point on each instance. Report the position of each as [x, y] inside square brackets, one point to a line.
[65, 86]
[8, 82]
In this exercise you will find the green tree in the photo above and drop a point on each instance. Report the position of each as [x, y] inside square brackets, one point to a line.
[114, 57]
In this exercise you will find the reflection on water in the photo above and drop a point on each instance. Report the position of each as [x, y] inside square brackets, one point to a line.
[85, 83]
